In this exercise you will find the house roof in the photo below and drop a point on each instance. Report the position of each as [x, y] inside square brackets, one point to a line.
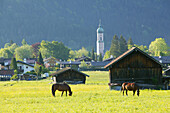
[47, 59]
[18, 61]
[163, 59]
[83, 58]
[70, 63]
[109, 59]
[129, 52]
[100, 64]
[31, 60]
[7, 72]
[67, 69]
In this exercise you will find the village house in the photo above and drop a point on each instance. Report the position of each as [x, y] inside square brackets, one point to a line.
[24, 67]
[51, 62]
[6, 74]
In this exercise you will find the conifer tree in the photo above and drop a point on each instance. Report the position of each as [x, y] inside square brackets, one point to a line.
[130, 43]
[40, 59]
[96, 57]
[92, 54]
[100, 57]
[114, 49]
[122, 45]
[13, 64]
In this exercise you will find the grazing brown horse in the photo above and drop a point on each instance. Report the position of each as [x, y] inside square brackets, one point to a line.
[61, 87]
[131, 87]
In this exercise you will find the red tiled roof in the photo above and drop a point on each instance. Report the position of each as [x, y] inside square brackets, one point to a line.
[6, 72]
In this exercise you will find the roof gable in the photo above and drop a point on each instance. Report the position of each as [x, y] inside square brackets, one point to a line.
[24, 63]
[67, 69]
[129, 52]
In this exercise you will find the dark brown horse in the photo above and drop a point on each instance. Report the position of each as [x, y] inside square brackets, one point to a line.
[61, 87]
[131, 87]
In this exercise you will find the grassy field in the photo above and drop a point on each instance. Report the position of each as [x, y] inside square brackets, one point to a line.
[92, 97]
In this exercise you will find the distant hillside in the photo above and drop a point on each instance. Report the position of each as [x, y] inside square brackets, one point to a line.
[74, 22]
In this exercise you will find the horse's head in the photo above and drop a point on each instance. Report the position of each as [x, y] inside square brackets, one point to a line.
[70, 94]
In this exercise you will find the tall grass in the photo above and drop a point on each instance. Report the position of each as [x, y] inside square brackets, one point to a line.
[94, 96]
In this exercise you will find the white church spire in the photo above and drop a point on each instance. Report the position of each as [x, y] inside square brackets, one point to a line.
[100, 39]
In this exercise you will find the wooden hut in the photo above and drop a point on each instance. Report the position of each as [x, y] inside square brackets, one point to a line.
[135, 66]
[69, 75]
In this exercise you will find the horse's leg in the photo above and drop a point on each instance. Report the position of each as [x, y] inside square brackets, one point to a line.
[62, 93]
[126, 92]
[66, 92]
[134, 92]
[123, 92]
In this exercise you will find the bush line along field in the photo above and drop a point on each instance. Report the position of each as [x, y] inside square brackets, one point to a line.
[92, 97]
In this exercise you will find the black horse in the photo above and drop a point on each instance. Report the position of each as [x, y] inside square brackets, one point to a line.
[61, 87]
[131, 87]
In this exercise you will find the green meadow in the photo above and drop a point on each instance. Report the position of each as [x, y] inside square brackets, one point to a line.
[92, 97]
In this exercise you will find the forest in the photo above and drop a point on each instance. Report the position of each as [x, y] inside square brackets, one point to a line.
[76, 21]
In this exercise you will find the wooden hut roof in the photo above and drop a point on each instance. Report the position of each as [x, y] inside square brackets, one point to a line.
[67, 69]
[129, 52]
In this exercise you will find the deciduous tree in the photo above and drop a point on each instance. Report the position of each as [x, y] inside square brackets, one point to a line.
[158, 46]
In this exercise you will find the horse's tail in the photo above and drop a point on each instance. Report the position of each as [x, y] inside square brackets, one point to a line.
[138, 92]
[137, 89]
[53, 90]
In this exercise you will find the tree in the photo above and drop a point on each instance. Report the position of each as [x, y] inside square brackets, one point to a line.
[89, 54]
[82, 52]
[13, 64]
[100, 57]
[72, 54]
[54, 49]
[40, 59]
[130, 43]
[15, 76]
[5, 53]
[92, 54]
[114, 49]
[7, 45]
[122, 45]
[96, 57]
[37, 69]
[36, 48]
[11, 42]
[13, 47]
[24, 51]
[83, 64]
[143, 48]
[107, 55]
[24, 42]
[158, 46]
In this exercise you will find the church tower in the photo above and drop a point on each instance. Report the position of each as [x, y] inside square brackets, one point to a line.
[100, 41]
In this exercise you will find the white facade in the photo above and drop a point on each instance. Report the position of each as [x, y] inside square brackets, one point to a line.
[100, 40]
[24, 67]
